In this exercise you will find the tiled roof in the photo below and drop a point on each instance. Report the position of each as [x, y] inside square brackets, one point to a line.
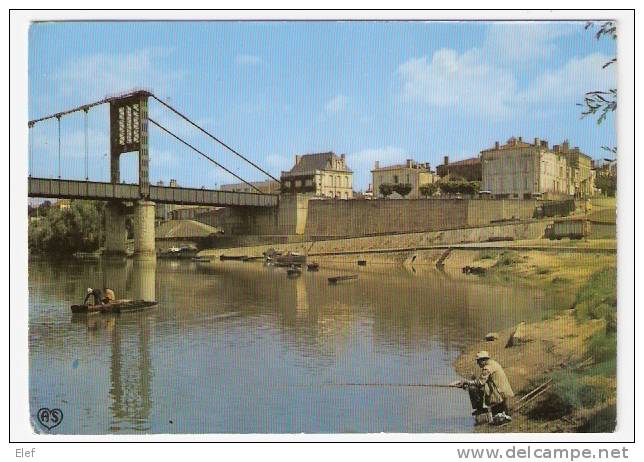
[472, 161]
[317, 161]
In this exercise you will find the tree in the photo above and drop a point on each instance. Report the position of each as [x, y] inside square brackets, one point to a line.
[428, 189]
[386, 189]
[607, 184]
[601, 102]
[77, 228]
[403, 189]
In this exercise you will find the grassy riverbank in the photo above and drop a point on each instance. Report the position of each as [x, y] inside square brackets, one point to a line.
[575, 348]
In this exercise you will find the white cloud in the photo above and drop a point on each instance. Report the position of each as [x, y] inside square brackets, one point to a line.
[570, 82]
[463, 80]
[100, 74]
[336, 104]
[248, 60]
[484, 82]
[524, 42]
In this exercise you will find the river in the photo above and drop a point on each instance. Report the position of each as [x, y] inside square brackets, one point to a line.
[241, 348]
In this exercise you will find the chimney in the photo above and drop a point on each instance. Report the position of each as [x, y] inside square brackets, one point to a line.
[297, 159]
[410, 163]
[342, 156]
[496, 145]
[377, 166]
[520, 140]
[173, 183]
[565, 146]
[537, 142]
[544, 144]
[446, 160]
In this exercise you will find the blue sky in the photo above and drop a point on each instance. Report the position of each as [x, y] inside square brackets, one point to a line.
[383, 91]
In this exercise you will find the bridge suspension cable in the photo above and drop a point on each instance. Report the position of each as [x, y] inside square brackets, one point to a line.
[31, 148]
[202, 154]
[86, 169]
[203, 130]
[58, 146]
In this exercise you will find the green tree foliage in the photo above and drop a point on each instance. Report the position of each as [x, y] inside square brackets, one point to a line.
[428, 189]
[607, 184]
[386, 189]
[69, 230]
[459, 186]
[403, 189]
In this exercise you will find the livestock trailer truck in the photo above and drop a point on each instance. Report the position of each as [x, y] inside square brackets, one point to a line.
[572, 229]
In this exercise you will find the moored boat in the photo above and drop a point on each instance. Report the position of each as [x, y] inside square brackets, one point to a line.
[232, 257]
[178, 253]
[116, 306]
[344, 278]
[313, 266]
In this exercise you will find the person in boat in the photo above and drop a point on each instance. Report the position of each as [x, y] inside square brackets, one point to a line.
[101, 296]
[491, 390]
[97, 294]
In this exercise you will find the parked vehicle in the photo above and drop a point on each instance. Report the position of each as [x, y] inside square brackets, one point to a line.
[572, 229]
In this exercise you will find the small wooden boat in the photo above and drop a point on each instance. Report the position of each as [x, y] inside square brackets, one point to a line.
[344, 278]
[252, 258]
[179, 253]
[232, 257]
[313, 266]
[202, 259]
[116, 306]
[293, 271]
[290, 258]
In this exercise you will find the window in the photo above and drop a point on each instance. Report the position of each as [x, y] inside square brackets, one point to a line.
[395, 179]
[298, 183]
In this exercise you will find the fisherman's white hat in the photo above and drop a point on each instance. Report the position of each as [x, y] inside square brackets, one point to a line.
[482, 355]
[89, 290]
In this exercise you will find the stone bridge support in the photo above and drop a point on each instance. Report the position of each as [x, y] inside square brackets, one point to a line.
[115, 230]
[144, 232]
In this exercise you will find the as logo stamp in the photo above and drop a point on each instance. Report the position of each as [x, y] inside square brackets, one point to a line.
[49, 418]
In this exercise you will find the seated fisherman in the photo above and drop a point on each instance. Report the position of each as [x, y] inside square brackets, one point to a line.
[97, 294]
[491, 390]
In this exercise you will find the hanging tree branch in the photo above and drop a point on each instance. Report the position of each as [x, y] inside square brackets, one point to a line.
[601, 103]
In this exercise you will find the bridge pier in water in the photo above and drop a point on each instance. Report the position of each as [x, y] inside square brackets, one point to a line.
[144, 233]
[115, 230]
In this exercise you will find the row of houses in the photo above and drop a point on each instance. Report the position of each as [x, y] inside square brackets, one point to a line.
[516, 169]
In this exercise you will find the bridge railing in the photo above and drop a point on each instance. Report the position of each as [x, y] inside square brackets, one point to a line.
[72, 189]
[193, 196]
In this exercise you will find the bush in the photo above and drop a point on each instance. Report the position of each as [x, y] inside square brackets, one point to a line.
[487, 255]
[597, 299]
[602, 346]
[508, 259]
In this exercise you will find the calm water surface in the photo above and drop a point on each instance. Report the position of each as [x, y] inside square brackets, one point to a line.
[241, 348]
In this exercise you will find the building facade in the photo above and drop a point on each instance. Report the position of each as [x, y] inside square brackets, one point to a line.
[583, 175]
[411, 172]
[468, 169]
[522, 170]
[322, 174]
[266, 187]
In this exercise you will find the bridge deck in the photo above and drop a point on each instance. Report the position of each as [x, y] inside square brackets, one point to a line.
[72, 189]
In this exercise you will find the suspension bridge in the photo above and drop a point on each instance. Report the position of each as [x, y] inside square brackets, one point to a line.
[129, 124]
